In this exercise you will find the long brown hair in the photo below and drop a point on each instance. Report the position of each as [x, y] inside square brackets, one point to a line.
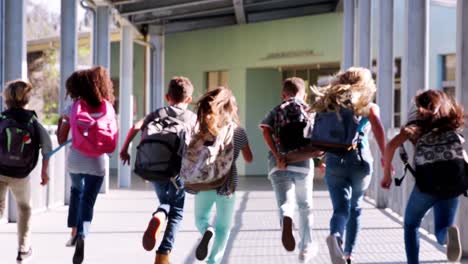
[216, 109]
[435, 110]
[92, 85]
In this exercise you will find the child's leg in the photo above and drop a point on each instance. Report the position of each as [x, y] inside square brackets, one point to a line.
[284, 192]
[3, 192]
[176, 200]
[444, 217]
[21, 189]
[224, 217]
[203, 204]
[304, 187]
[76, 192]
[92, 185]
[418, 205]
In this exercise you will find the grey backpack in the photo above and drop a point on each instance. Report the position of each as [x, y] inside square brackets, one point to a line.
[163, 140]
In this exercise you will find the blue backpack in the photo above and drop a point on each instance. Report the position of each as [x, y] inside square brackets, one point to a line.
[337, 131]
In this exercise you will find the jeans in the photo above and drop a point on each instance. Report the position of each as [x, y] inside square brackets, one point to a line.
[21, 190]
[418, 205]
[347, 177]
[171, 203]
[291, 189]
[84, 191]
[204, 202]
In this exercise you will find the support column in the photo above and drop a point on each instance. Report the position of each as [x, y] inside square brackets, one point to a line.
[157, 71]
[462, 97]
[102, 44]
[125, 98]
[348, 34]
[385, 81]
[15, 59]
[68, 59]
[365, 33]
[2, 80]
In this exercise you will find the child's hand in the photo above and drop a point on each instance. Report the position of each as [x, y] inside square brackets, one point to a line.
[386, 182]
[322, 167]
[125, 157]
[281, 162]
[382, 163]
[44, 177]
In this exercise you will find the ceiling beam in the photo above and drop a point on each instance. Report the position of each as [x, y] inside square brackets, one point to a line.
[240, 11]
[199, 24]
[290, 12]
[160, 19]
[157, 6]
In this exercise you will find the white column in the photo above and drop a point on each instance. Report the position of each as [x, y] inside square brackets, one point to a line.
[365, 33]
[68, 59]
[385, 81]
[102, 44]
[462, 97]
[348, 34]
[416, 49]
[157, 71]
[2, 45]
[15, 59]
[125, 98]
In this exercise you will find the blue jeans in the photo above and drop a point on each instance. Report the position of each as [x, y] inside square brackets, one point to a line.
[347, 177]
[84, 191]
[171, 203]
[291, 189]
[418, 205]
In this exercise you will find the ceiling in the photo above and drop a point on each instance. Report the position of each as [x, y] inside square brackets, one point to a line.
[188, 15]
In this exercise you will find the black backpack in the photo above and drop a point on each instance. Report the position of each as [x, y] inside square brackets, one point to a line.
[440, 168]
[159, 154]
[19, 143]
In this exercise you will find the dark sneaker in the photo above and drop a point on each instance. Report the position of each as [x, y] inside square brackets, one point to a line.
[335, 250]
[454, 251]
[24, 256]
[287, 236]
[79, 251]
[151, 234]
[202, 248]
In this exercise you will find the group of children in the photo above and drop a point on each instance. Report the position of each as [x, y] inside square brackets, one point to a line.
[347, 173]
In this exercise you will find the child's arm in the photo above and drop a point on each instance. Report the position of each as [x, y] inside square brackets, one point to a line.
[247, 153]
[397, 141]
[44, 171]
[377, 128]
[63, 128]
[124, 155]
[267, 136]
[46, 148]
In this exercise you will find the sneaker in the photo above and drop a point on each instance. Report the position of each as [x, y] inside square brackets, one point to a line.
[307, 254]
[71, 241]
[24, 256]
[453, 244]
[202, 248]
[348, 260]
[151, 234]
[287, 236]
[336, 252]
[79, 251]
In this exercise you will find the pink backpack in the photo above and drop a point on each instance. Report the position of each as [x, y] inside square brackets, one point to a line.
[94, 130]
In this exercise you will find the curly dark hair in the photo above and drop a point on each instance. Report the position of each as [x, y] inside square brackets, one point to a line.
[92, 85]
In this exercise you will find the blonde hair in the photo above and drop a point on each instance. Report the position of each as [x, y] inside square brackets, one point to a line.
[353, 89]
[215, 110]
[17, 94]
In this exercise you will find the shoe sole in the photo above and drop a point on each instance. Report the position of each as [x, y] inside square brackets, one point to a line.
[150, 235]
[331, 249]
[71, 243]
[287, 235]
[202, 249]
[79, 252]
[453, 244]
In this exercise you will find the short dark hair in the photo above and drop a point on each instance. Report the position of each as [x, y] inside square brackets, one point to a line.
[294, 85]
[180, 88]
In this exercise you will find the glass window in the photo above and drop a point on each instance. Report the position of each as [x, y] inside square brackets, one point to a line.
[216, 78]
[448, 74]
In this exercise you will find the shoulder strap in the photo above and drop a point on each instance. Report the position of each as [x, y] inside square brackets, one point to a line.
[404, 158]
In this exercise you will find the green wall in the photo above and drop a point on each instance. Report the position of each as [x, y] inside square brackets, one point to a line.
[242, 50]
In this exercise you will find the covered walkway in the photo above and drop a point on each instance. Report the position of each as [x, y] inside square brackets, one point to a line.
[121, 217]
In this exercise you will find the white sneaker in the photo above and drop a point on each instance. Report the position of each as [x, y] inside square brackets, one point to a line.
[71, 242]
[453, 244]
[307, 254]
[336, 252]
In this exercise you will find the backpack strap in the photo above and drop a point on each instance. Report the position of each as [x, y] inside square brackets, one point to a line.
[404, 158]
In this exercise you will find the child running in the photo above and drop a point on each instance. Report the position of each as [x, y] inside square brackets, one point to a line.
[171, 197]
[20, 156]
[433, 127]
[216, 116]
[92, 94]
